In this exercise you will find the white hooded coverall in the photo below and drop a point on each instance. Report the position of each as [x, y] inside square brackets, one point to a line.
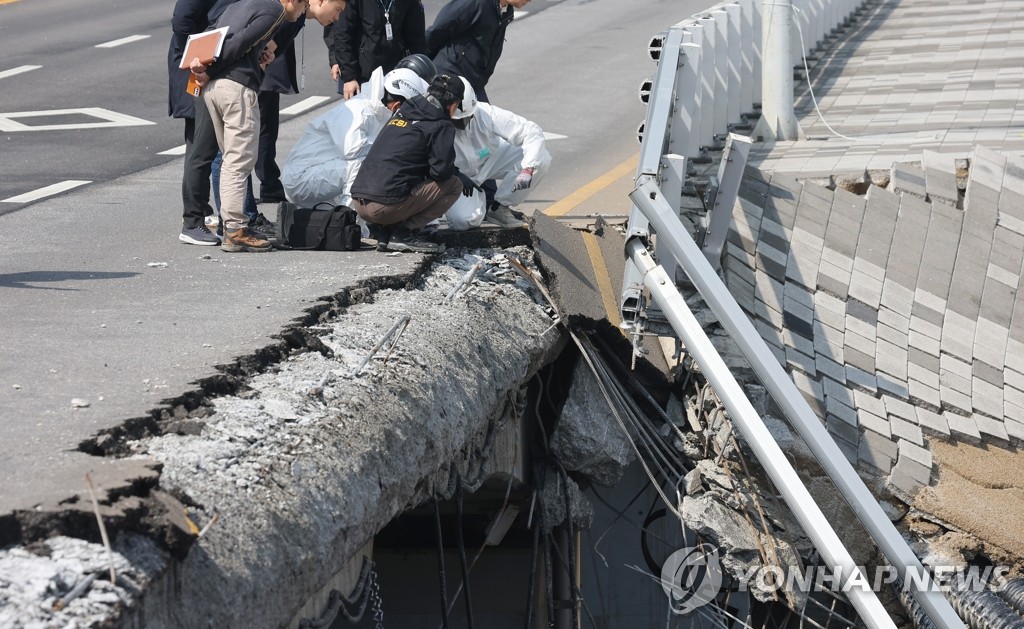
[496, 144]
[324, 162]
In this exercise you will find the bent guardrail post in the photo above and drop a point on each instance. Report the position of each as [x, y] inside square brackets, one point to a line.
[759, 439]
[648, 200]
[720, 206]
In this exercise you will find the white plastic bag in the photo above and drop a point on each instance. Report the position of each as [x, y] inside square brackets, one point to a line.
[467, 212]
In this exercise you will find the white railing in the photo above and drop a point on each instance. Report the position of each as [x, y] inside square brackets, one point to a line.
[709, 75]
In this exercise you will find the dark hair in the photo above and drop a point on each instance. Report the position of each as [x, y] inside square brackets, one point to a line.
[446, 89]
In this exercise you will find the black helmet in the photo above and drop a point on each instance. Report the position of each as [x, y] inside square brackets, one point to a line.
[420, 64]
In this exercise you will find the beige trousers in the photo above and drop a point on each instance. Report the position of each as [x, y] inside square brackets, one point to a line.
[428, 201]
[236, 120]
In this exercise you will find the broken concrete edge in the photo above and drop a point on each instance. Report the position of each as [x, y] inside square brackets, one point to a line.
[126, 504]
[290, 511]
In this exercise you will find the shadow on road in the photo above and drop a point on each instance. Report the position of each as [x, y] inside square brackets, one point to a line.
[26, 279]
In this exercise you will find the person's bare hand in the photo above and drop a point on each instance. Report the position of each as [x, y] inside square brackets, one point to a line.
[266, 57]
[198, 70]
[335, 72]
[350, 89]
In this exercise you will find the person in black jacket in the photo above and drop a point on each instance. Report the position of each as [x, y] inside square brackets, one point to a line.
[467, 37]
[409, 178]
[373, 33]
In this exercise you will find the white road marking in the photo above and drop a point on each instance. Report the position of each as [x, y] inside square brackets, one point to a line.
[305, 105]
[178, 150]
[19, 70]
[554, 136]
[109, 118]
[122, 41]
[48, 191]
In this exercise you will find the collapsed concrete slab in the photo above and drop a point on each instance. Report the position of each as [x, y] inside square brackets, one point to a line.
[306, 462]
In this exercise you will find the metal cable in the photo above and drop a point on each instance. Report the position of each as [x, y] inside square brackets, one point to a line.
[440, 565]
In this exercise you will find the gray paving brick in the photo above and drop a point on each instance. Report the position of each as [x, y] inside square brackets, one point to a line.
[885, 333]
[762, 311]
[1015, 429]
[1013, 378]
[773, 236]
[908, 477]
[900, 408]
[925, 392]
[878, 451]
[1010, 246]
[1015, 355]
[958, 334]
[940, 177]
[769, 291]
[924, 342]
[925, 327]
[897, 299]
[836, 390]
[908, 179]
[830, 281]
[997, 302]
[860, 360]
[1013, 395]
[837, 259]
[798, 360]
[830, 368]
[799, 310]
[923, 359]
[798, 294]
[932, 422]
[990, 342]
[833, 325]
[842, 430]
[859, 379]
[927, 314]
[955, 374]
[962, 424]
[987, 398]
[771, 261]
[892, 385]
[915, 453]
[855, 336]
[906, 430]
[955, 399]
[865, 287]
[988, 373]
[874, 423]
[991, 427]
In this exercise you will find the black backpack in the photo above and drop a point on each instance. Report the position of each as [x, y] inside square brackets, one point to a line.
[323, 227]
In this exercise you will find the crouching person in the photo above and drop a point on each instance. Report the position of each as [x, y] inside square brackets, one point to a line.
[409, 178]
[494, 143]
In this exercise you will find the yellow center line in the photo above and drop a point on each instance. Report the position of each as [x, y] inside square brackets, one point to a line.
[7, 1]
[604, 283]
[570, 202]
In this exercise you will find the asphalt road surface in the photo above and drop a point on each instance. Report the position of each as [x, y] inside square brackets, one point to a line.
[83, 88]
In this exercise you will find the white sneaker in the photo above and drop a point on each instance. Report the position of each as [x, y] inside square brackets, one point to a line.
[502, 217]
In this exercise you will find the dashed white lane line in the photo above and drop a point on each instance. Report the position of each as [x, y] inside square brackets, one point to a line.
[19, 70]
[122, 41]
[48, 191]
[305, 105]
[178, 150]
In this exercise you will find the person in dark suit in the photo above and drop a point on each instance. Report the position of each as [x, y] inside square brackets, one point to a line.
[467, 38]
[281, 78]
[373, 33]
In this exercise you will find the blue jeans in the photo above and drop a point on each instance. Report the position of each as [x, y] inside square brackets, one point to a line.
[249, 209]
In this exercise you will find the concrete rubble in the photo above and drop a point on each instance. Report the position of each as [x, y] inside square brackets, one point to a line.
[305, 463]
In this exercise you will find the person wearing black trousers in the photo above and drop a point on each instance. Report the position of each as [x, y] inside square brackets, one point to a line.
[373, 33]
[280, 78]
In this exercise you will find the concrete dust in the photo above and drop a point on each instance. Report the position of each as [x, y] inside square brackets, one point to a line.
[34, 582]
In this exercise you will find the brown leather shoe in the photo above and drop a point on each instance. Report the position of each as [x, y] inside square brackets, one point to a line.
[244, 240]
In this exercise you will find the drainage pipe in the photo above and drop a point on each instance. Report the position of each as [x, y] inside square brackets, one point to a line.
[760, 440]
[673, 238]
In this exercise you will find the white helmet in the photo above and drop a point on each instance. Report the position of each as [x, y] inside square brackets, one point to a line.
[405, 83]
[469, 102]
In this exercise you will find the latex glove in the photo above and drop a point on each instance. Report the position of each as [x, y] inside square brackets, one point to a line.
[524, 179]
[467, 184]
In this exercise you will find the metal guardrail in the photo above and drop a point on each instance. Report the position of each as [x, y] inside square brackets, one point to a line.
[708, 67]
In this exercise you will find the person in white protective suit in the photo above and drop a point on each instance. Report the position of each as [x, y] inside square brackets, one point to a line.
[324, 162]
[494, 143]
